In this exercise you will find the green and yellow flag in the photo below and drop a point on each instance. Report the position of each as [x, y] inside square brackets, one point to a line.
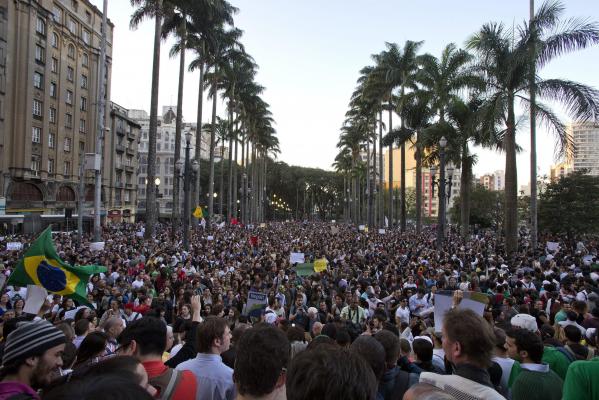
[320, 265]
[198, 212]
[41, 266]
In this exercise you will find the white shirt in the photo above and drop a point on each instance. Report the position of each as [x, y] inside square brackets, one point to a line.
[403, 314]
[137, 283]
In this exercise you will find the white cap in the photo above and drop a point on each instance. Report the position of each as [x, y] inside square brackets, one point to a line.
[525, 321]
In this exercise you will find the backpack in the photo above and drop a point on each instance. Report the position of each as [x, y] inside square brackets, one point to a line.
[166, 383]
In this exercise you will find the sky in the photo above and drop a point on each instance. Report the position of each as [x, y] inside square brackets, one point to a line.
[309, 55]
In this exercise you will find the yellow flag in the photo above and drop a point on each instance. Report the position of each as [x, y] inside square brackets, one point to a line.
[198, 213]
[320, 265]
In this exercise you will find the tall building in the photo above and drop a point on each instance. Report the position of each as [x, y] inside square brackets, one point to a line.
[49, 85]
[430, 194]
[120, 165]
[585, 137]
[410, 167]
[165, 156]
[494, 181]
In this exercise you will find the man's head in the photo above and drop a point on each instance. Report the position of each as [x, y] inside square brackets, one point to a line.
[213, 336]
[144, 337]
[390, 343]
[329, 372]
[113, 327]
[267, 347]
[467, 338]
[523, 345]
[33, 352]
[372, 351]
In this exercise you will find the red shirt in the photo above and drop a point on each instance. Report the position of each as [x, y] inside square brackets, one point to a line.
[187, 386]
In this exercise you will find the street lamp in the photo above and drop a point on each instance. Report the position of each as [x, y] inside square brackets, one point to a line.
[441, 184]
[191, 168]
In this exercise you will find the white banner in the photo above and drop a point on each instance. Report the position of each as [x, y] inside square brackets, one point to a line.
[296, 258]
[96, 246]
[12, 246]
[552, 246]
[36, 295]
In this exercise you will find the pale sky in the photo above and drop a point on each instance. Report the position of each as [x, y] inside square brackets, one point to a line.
[309, 53]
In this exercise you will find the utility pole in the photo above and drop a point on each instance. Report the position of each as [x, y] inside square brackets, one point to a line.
[100, 132]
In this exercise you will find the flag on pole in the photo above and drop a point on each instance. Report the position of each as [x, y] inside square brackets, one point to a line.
[41, 266]
[198, 213]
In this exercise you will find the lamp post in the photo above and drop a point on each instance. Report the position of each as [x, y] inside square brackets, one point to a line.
[190, 169]
[441, 185]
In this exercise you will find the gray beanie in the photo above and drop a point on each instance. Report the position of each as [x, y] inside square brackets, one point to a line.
[31, 339]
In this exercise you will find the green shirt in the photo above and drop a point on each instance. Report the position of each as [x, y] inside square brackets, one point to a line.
[556, 360]
[537, 385]
[582, 380]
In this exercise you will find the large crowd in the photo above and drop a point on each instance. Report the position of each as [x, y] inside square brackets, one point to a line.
[166, 323]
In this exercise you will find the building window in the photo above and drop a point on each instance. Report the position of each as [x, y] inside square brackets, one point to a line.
[127, 196]
[53, 89]
[57, 14]
[40, 26]
[38, 107]
[84, 60]
[86, 36]
[38, 80]
[70, 74]
[69, 98]
[67, 168]
[72, 26]
[39, 53]
[36, 134]
[84, 81]
[68, 121]
[52, 115]
[71, 51]
[82, 125]
[83, 105]
[54, 65]
[81, 147]
[50, 166]
[51, 140]
[54, 40]
[35, 166]
[67, 144]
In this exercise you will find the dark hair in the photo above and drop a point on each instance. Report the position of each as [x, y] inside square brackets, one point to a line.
[343, 337]
[372, 351]
[319, 341]
[295, 333]
[264, 346]
[238, 332]
[474, 334]
[572, 333]
[149, 334]
[526, 340]
[390, 343]
[111, 386]
[81, 326]
[329, 330]
[330, 373]
[423, 350]
[92, 346]
[212, 328]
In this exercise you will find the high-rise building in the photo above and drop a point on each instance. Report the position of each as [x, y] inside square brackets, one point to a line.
[499, 180]
[488, 181]
[410, 167]
[585, 138]
[559, 170]
[120, 165]
[49, 59]
[430, 193]
[165, 156]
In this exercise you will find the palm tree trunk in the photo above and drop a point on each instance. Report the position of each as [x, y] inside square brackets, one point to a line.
[176, 217]
[418, 187]
[465, 182]
[230, 177]
[533, 135]
[511, 182]
[247, 181]
[197, 197]
[242, 207]
[390, 169]
[368, 184]
[373, 220]
[151, 189]
[221, 184]
[212, 145]
[402, 172]
[381, 172]
[235, 187]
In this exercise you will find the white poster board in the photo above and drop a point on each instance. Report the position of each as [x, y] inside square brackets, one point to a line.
[36, 295]
[13, 246]
[552, 246]
[444, 299]
[96, 246]
[296, 258]
[382, 231]
[361, 227]
[210, 238]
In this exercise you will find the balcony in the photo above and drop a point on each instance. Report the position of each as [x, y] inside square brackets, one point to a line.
[120, 131]
[129, 168]
[131, 135]
[120, 148]
[118, 185]
[129, 185]
[130, 151]
[119, 166]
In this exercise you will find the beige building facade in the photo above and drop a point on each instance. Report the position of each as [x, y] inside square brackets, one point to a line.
[49, 85]
[410, 168]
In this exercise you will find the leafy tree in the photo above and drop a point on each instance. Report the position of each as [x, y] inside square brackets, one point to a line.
[485, 208]
[570, 205]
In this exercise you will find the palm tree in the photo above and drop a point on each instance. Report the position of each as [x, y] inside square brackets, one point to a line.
[504, 59]
[151, 9]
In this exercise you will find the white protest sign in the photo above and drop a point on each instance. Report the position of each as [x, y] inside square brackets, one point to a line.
[263, 225]
[296, 258]
[444, 299]
[256, 303]
[139, 234]
[210, 238]
[552, 246]
[14, 246]
[96, 246]
[382, 231]
[361, 227]
[36, 295]
[588, 259]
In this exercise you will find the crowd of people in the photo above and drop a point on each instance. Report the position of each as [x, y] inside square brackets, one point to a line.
[166, 323]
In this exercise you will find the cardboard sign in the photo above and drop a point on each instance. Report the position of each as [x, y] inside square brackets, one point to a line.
[36, 295]
[96, 246]
[444, 299]
[256, 303]
[381, 231]
[14, 246]
[552, 246]
[296, 258]
[210, 238]
[362, 227]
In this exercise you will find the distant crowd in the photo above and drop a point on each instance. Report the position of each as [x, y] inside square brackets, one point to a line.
[165, 323]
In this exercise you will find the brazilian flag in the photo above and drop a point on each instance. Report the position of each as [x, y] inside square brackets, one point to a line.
[198, 212]
[41, 266]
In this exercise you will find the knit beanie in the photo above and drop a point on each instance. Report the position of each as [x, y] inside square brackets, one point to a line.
[31, 339]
